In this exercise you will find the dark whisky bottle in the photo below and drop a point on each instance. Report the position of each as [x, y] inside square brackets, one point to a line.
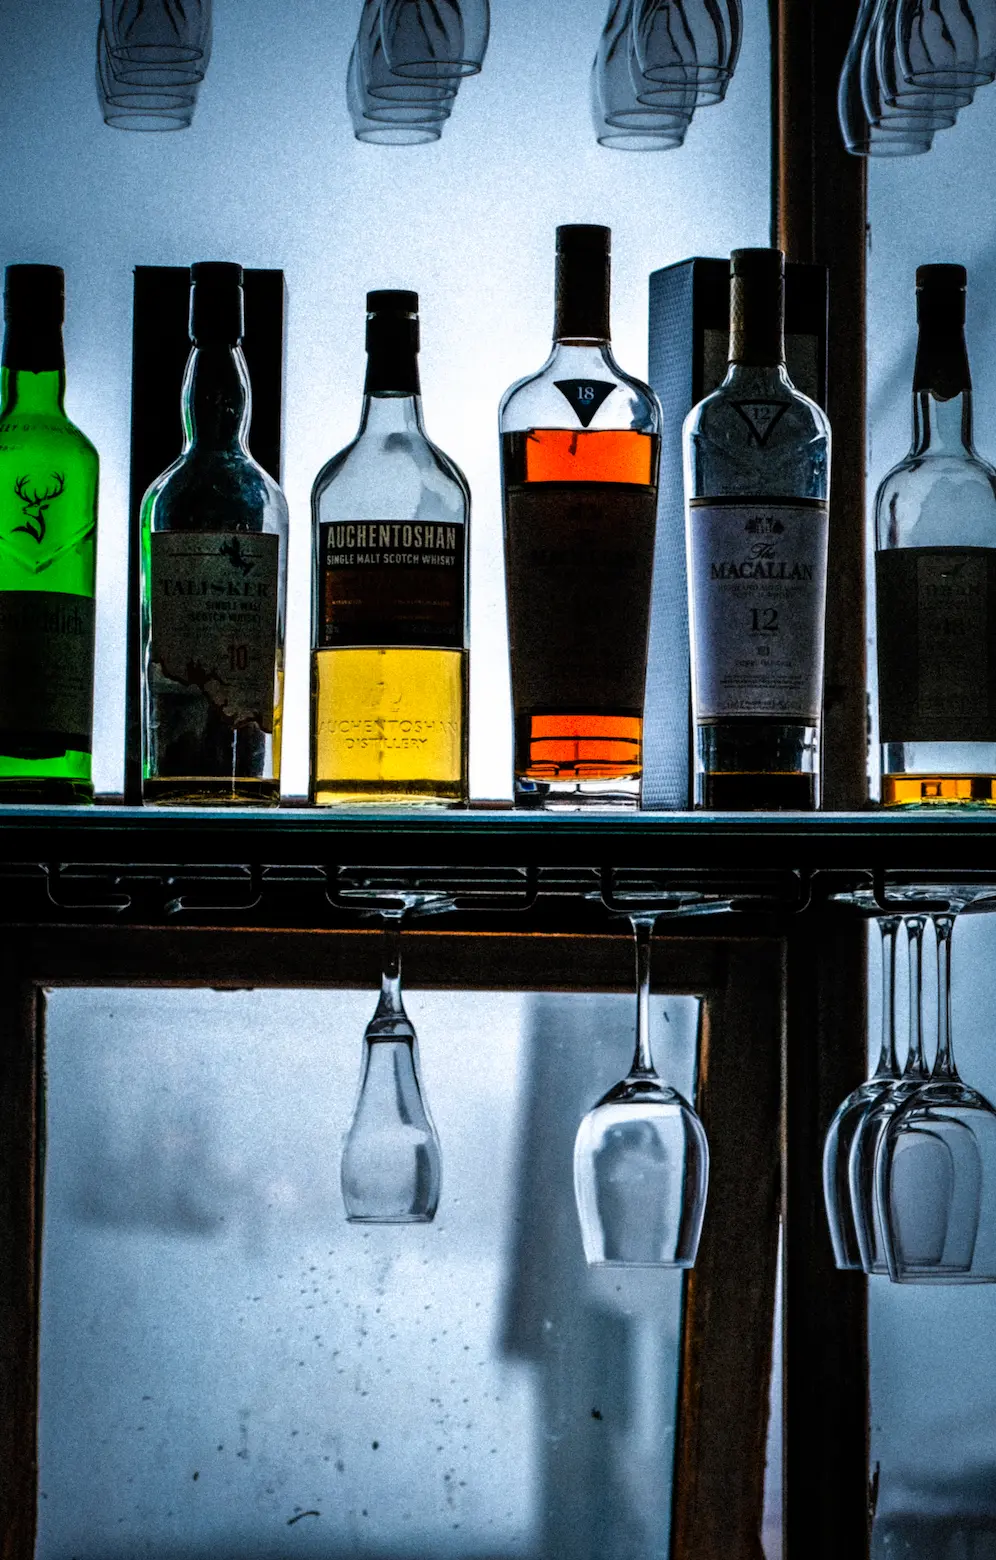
[214, 569]
[580, 449]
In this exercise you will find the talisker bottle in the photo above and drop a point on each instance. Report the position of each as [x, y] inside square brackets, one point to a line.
[580, 443]
[214, 571]
[48, 533]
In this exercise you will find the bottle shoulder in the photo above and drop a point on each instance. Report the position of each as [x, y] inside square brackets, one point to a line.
[224, 490]
[937, 499]
[584, 377]
[760, 435]
[399, 475]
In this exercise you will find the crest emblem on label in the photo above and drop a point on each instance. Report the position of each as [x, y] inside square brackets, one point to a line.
[585, 396]
[761, 417]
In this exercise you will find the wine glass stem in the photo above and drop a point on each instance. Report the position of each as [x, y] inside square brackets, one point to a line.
[914, 1055]
[887, 1058]
[944, 1066]
[643, 931]
[390, 980]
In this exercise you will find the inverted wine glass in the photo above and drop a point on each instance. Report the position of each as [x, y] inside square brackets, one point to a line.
[641, 1160]
[431, 40]
[852, 1111]
[935, 1166]
[391, 1168]
[617, 85]
[868, 1131]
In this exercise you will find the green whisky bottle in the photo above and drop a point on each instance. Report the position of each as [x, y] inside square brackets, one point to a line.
[48, 534]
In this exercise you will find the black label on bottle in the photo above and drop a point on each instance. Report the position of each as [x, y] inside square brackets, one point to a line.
[584, 396]
[936, 622]
[214, 618]
[46, 673]
[391, 583]
[579, 557]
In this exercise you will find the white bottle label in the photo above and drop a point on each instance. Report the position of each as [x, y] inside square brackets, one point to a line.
[757, 571]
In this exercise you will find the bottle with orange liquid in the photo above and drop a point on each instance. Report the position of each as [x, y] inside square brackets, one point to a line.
[580, 447]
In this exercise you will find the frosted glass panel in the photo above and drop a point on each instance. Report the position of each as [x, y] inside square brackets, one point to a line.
[270, 175]
[230, 1369]
[933, 1349]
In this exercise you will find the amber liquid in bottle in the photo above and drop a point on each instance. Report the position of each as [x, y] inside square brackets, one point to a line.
[581, 508]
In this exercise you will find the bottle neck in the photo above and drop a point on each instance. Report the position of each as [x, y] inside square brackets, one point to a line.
[42, 394]
[216, 400]
[392, 362]
[581, 311]
[757, 313]
[942, 392]
[387, 412]
[33, 376]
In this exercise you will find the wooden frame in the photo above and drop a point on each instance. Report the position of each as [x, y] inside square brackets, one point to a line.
[727, 1328]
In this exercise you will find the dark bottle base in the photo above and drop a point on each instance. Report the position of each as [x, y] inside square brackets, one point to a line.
[44, 791]
[760, 792]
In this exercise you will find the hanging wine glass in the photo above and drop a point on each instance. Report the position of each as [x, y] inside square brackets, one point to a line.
[641, 1160]
[865, 1140]
[935, 1167]
[391, 1164]
[851, 1112]
[688, 43]
[435, 39]
[943, 43]
[896, 91]
[926, 114]
[861, 138]
[619, 116]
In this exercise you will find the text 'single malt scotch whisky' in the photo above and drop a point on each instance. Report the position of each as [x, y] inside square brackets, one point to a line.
[48, 534]
[757, 484]
[580, 450]
[389, 601]
[214, 571]
[935, 576]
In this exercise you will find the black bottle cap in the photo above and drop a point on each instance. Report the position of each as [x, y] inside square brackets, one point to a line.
[582, 287]
[941, 358]
[35, 292]
[757, 307]
[392, 343]
[216, 303]
[34, 307]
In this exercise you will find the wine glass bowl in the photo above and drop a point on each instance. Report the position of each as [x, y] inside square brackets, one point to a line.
[641, 1158]
[641, 1166]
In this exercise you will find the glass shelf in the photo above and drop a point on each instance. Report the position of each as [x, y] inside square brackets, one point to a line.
[310, 867]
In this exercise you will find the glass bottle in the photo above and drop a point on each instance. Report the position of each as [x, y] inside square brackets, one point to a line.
[214, 572]
[580, 445]
[389, 636]
[48, 537]
[935, 576]
[757, 477]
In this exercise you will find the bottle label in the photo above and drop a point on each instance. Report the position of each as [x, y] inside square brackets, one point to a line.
[936, 624]
[214, 618]
[46, 673]
[757, 571]
[391, 583]
[585, 396]
[579, 557]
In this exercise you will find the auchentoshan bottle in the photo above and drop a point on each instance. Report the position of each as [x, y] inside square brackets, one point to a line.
[214, 569]
[757, 475]
[935, 576]
[389, 629]
[48, 534]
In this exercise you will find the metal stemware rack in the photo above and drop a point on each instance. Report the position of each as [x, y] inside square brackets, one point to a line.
[298, 868]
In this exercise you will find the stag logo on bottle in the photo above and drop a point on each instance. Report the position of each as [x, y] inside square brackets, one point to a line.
[35, 502]
[584, 396]
[761, 417]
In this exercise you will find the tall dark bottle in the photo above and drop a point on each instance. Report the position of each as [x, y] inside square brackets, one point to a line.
[48, 534]
[214, 570]
[580, 449]
[757, 489]
[935, 576]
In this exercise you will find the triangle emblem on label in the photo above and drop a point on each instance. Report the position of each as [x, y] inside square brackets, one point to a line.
[585, 396]
[760, 416]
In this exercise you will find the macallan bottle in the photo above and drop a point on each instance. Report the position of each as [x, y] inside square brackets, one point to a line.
[389, 629]
[580, 444]
[214, 570]
[935, 576]
[48, 535]
[757, 485]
